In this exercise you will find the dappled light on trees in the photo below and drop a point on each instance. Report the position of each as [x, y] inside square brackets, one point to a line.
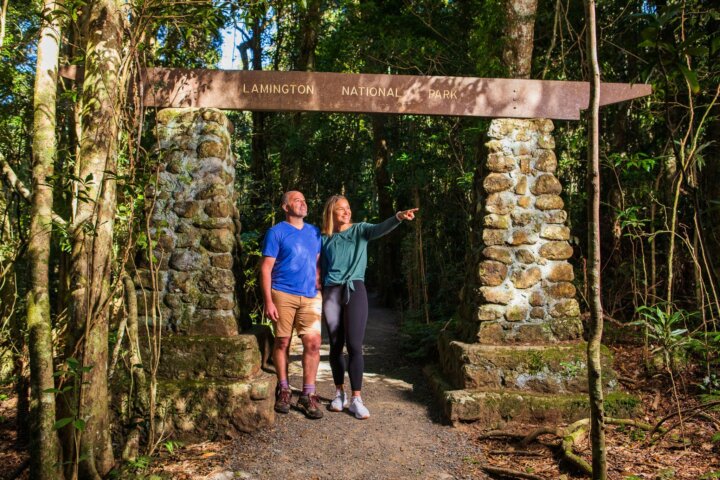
[654, 229]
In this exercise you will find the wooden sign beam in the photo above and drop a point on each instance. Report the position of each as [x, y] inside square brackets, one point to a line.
[372, 93]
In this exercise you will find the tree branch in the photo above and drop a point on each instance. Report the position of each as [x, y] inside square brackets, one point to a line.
[506, 472]
[16, 184]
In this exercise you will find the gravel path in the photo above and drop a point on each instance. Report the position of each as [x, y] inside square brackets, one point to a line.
[401, 439]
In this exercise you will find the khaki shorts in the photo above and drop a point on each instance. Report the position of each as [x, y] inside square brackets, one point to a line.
[297, 311]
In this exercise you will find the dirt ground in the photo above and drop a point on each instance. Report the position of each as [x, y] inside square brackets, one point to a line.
[404, 439]
[401, 439]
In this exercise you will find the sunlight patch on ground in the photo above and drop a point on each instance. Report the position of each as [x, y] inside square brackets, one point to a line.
[392, 382]
[325, 375]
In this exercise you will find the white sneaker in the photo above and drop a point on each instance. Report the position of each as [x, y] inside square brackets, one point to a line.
[358, 408]
[340, 402]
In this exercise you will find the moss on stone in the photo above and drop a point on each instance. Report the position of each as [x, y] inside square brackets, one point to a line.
[494, 407]
[542, 368]
[168, 116]
[185, 178]
[209, 357]
[566, 328]
[621, 405]
[206, 409]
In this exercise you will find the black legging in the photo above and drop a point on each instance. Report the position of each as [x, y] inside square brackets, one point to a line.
[346, 326]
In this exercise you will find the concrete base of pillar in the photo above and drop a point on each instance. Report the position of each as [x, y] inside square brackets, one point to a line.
[209, 409]
[544, 368]
[496, 384]
[212, 386]
[497, 408]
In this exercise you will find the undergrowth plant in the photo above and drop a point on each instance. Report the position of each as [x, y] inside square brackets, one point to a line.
[666, 330]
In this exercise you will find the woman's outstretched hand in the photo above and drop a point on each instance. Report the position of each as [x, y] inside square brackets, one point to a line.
[407, 214]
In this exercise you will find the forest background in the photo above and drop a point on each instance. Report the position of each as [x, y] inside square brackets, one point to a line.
[660, 167]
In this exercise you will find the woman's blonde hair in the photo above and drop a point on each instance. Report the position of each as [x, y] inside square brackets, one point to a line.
[328, 225]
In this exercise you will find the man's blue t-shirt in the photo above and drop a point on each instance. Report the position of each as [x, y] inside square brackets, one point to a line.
[295, 252]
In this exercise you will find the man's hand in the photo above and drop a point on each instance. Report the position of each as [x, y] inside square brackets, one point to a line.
[266, 266]
[271, 312]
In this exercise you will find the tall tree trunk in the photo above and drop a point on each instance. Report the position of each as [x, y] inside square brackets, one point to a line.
[420, 249]
[139, 407]
[519, 33]
[309, 36]
[517, 58]
[3, 18]
[93, 230]
[65, 199]
[292, 175]
[259, 144]
[597, 413]
[45, 453]
[389, 250]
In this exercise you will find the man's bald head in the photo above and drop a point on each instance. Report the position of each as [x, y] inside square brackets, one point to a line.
[293, 203]
[286, 197]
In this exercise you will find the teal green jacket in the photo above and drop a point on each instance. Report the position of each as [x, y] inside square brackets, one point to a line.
[343, 257]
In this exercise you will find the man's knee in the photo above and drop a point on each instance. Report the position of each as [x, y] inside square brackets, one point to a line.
[311, 344]
[281, 343]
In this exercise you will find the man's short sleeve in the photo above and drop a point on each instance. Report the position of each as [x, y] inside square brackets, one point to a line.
[318, 238]
[271, 244]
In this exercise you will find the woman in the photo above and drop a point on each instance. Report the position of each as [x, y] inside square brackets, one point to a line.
[343, 260]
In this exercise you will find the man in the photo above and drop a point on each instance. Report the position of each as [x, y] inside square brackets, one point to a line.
[290, 280]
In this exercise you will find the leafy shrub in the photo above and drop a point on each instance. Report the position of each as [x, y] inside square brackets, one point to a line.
[419, 339]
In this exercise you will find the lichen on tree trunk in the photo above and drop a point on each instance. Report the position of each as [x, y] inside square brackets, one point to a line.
[45, 447]
[519, 34]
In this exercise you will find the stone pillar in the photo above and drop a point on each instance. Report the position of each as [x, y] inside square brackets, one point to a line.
[518, 353]
[522, 290]
[209, 379]
[193, 222]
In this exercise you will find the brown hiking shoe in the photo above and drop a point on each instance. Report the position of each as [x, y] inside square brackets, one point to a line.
[282, 399]
[310, 406]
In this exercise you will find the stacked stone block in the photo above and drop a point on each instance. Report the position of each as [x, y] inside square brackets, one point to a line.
[210, 381]
[523, 289]
[194, 223]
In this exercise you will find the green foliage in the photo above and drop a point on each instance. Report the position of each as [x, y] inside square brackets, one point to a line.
[71, 378]
[638, 435]
[172, 445]
[419, 339]
[185, 34]
[535, 363]
[140, 463]
[667, 330]
[571, 369]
